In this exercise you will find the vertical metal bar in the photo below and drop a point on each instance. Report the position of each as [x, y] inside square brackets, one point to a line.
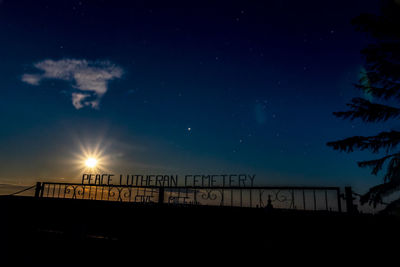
[120, 193]
[95, 192]
[293, 205]
[349, 199]
[251, 199]
[186, 196]
[48, 190]
[42, 189]
[59, 190]
[38, 189]
[222, 197]
[161, 195]
[326, 200]
[231, 197]
[102, 190]
[240, 190]
[304, 200]
[315, 200]
[136, 194]
[338, 199]
[74, 194]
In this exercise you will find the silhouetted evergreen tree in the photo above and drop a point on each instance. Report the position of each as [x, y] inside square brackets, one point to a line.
[381, 81]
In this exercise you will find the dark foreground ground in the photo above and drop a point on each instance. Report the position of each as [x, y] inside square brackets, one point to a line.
[61, 232]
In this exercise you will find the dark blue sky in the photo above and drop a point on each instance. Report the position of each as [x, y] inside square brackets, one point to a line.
[221, 88]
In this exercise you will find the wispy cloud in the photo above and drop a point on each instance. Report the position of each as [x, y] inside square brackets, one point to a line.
[31, 79]
[89, 79]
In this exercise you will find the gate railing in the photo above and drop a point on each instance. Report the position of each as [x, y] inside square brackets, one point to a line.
[283, 197]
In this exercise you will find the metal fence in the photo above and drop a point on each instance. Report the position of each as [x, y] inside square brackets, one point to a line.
[295, 198]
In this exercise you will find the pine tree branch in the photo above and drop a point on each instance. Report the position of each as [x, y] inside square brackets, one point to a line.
[375, 194]
[384, 140]
[376, 164]
[385, 67]
[390, 185]
[393, 170]
[394, 205]
[384, 92]
[368, 112]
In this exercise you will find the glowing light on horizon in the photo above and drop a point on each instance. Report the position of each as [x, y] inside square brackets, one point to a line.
[91, 162]
[91, 157]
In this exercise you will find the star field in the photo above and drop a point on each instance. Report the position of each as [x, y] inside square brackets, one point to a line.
[212, 86]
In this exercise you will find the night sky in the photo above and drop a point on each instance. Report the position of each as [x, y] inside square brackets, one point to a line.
[226, 87]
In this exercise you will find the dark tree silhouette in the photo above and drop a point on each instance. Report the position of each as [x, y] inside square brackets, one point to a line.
[381, 81]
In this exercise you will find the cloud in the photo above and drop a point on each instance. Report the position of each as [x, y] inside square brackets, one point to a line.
[89, 79]
[31, 79]
[77, 99]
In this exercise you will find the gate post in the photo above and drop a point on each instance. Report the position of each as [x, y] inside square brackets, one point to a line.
[349, 199]
[38, 189]
[339, 199]
[160, 195]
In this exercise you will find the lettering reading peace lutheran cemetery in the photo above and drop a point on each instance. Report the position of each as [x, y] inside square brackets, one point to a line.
[232, 180]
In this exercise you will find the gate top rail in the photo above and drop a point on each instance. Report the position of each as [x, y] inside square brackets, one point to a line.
[204, 187]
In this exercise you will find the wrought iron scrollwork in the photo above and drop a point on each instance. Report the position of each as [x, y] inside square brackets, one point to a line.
[70, 188]
[279, 197]
[208, 195]
[128, 193]
[111, 193]
[212, 195]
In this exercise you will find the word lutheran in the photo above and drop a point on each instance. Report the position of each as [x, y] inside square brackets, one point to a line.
[193, 180]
